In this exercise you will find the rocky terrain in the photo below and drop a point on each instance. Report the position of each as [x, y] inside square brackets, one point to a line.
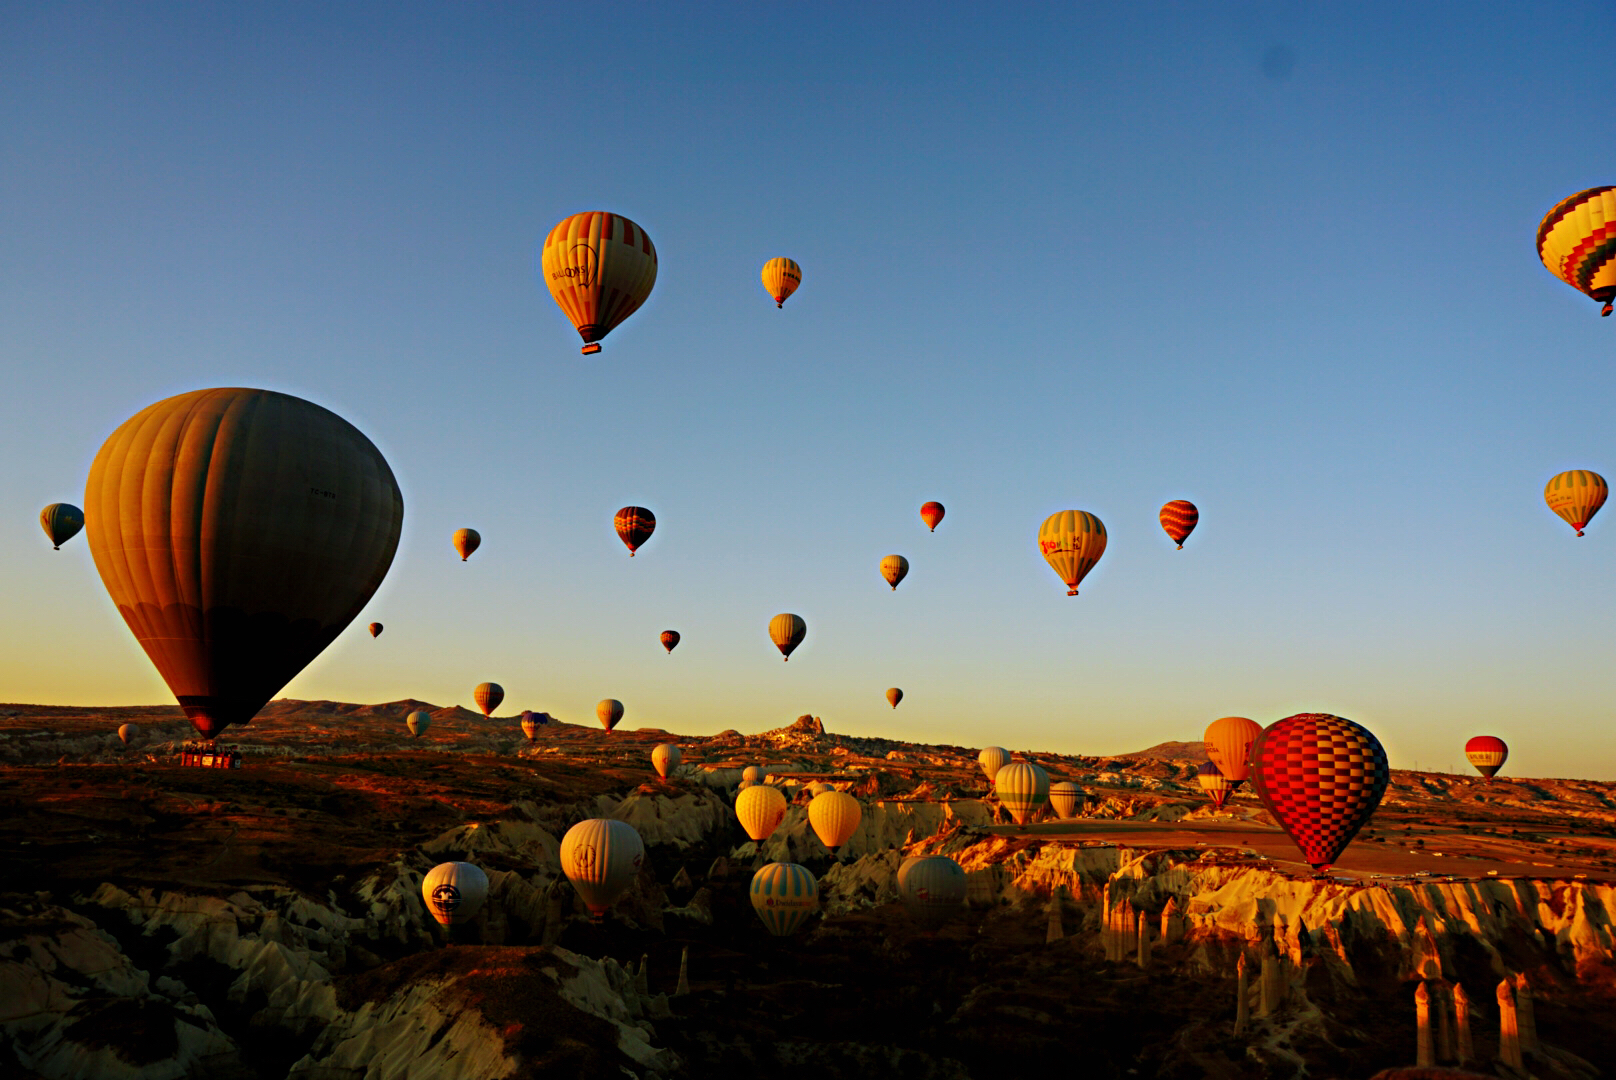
[159, 921]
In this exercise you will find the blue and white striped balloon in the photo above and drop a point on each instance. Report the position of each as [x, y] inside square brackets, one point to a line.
[784, 895]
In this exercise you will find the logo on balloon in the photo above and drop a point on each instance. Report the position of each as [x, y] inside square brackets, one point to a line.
[446, 898]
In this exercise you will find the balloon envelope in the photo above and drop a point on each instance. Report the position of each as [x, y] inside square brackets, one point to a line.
[894, 695]
[932, 888]
[665, 758]
[1214, 783]
[894, 568]
[454, 892]
[599, 268]
[130, 732]
[602, 858]
[670, 639]
[787, 632]
[375, 629]
[532, 722]
[1228, 745]
[418, 721]
[488, 695]
[932, 513]
[466, 541]
[1322, 777]
[634, 525]
[1023, 788]
[1064, 797]
[1576, 496]
[1178, 519]
[1072, 541]
[1577, 242]
[61, 522]
[992, 759]
[1487, 753]
[760, 809]
[834, 816]
[784, 895]
[754, 773]
[781, 278]
[609, 711]
[239, 532]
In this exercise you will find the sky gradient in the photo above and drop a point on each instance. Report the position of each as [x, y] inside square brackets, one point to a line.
[1273, 258]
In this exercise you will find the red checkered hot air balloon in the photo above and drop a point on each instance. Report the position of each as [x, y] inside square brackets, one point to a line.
[1322, 777]
[1178, 518]
[1487, 753]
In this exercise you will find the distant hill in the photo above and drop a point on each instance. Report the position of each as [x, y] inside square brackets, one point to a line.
[1179, 753]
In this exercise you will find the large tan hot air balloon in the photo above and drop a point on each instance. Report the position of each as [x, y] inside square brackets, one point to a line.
[454, 892]
[488, 695]
[1228, 746]
[1023, 788]
[609, 711]
[781, 278]
[1576, 496]
[61, 522]
[754, 773]
[467, 541]
[665, 758]
[760, 809]
[600, 268]
[787, 632]
[239, 532]
[1072, 541]
[834, 815]
[992, 759]
[894, 568]
[602, 858]
[1577, 242]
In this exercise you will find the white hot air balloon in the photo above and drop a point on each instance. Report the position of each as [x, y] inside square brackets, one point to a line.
[760, 809]
[454, 892]
[665, 758]
[602, 858]
[932, 888]
[753, 773]
[992, 759]
[834, 815]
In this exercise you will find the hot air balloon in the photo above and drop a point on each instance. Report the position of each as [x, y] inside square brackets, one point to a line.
[488, 695]
[992, 759]
[128, 733]
[665, 758]
[760, 809]
[1577, 242]
[1178, 518]
[932, 513]
[784, 895]
[531, 723]
[754, 773]
[609, 711]
[932, 888]
[834, 816]
[602, 859]
[600, 267]
[1072, 541]
[1576, 496]
[634, 525]
[894, 695]
[239, 532]
[61, 522]
[375, 629]
[1064, 797]
[781, 278]
[454, 892]
[817, 787]
[894, 568]
[1228, 745]
[418, 721]
[787, 632]
[466, 541]
[670, 639]
[1214, 783]
[1023, 788]
[1322, 777]
[1487, 754]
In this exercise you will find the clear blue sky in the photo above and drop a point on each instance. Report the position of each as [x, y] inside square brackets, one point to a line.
[1277, 259]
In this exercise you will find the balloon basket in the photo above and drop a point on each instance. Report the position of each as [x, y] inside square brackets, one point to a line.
[591, 349]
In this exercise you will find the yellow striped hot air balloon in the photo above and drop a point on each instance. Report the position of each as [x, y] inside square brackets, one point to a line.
[1576, 496]
[1577, 242]
[992, 759]
[1064, 797]
[834, 815]
[760, 809]
[600, 268]
[488, 695]
[602, 858]
[1228, 746]
[1072, 541]
[894, 568]
[781, 278]
[1023, 788]
[784, 895]
[787, 632]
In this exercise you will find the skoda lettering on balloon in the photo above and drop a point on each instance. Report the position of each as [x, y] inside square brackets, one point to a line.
[781, 277]
[1322, 777]
[1178, 519]
[1577, 243]
[239, 532]
[784, 895]
[600, 268]
[1072, 541]
[1487, 753]
[1576, 496]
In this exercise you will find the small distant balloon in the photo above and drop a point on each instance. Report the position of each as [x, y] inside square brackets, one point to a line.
[894, 695]
[1576, 496]
[1178, 519]
[665, 758]
[375, 629]
[634, 525]
[488, 695]
[1487, 753]
[602, 858]
[781, 278]
[787, 632]
[454, 892]
[1072, 541]
[754, 773]
[130, 732]
[599, 268]
[609, 711]
[466, 541]
[418, 721]
[61, 522]
[932, 513]
[1064, 797]
[784, 895]
[1577, 240]
[670, 639]
[1214, 783]
[992, 759]
[894, 568]
[532, 722]
[760, 809]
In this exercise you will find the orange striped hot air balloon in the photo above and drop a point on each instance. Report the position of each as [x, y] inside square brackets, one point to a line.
[1487, 753]
[1576, 496]
[1577, 242]
[1178, 518]
[932, 514]
[670, 639]
[781, 278]
[634, 525]
[1228, 745]
[1072, 541]
[600, 268]
[787, 631]
[488, 695]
